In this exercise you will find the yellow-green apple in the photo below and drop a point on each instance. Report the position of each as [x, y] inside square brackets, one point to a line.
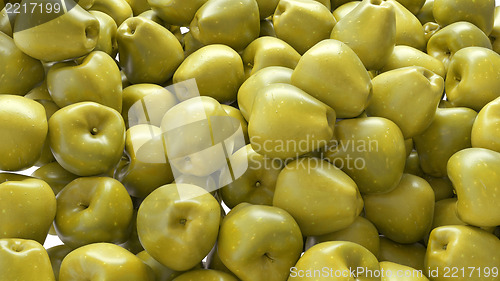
[91, 210]
[24, 260]
[178, 225]
[87, 138]
[259, 242]
[318, 195]
[27, 209]
[404, 214]
[104, 261]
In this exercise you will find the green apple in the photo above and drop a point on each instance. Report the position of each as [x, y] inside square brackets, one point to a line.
[38, 94]
[4, 177]
[473, 172]
[338, 260]
[275, 107]
[152, 15]
[139, 6]
[176, 31]
[227, 22]
[449, 132]
[326, 3]
[484, 129]
[335, 62]
[236, 114]
[54, 175]
[443, 188]
[7, 20]
[55, 36]
[104, 261]
[404, 56]
[132, 244]
[96, 79]
[430, 29]
[164, 56]
[24, 260]
[28, 208]
[412, 165]
[408, 147]
[218, 71]
[480, 13]
[267, 8]
[337, 3]
[162, 273]
[145, 166]
[259, 242]
[404, 214]
[361, 232]
[260, 79]
[473, 78]
[268, 51]
[107, 34]
[267, 28]
[214, 262]
[344, 9]
[56, 255]
[444, 43]
[23, 130]
[146, 104]
[119, 10]
[293, 21]
[19, 73]
[371, 151]
[412, 112]
[411, 255]
[91, 210]
[87, 138]
[472, 251]
[414, 6]
[409, 30]
[258, 180]
[495, 33]
[125, 81]
[445, 213]
[177, 12]
[178, 225]
[425, 14]
[191, 44]
[318, 195]
[370, 31]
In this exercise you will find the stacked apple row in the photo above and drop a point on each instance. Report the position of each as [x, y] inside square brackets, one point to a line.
[327, 134]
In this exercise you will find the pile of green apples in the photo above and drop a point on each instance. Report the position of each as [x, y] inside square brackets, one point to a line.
[253, 140]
